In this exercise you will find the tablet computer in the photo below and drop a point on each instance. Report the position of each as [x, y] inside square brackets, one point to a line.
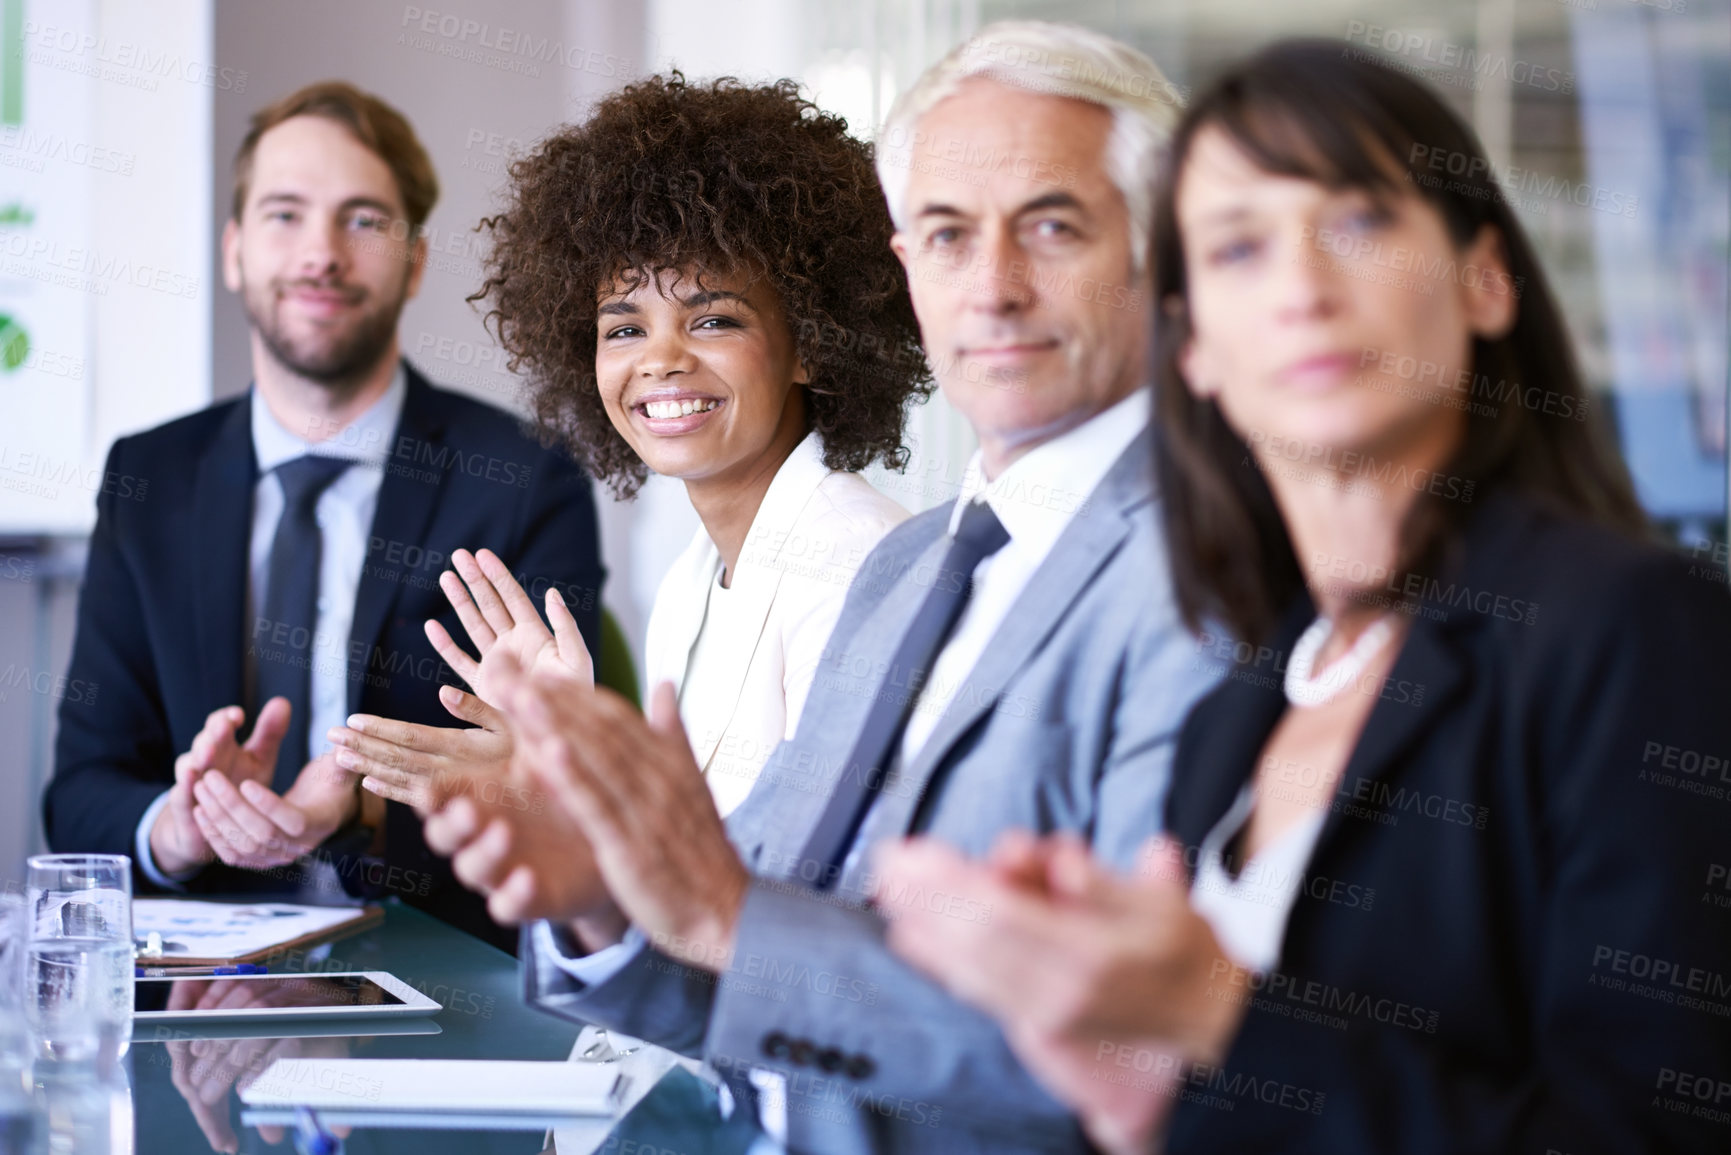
[271, 998]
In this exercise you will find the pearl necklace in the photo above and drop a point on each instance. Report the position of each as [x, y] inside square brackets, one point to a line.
[1304, 689]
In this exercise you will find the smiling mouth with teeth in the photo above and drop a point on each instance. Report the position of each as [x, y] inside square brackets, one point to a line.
[665, 409]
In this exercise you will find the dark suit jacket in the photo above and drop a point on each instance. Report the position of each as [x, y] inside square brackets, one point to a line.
[1508, 938]
[162, 635]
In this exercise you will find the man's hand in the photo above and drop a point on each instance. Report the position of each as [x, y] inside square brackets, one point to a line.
[1079, 967]
[423, 766]
[251, 827]
[634, 789]
[529, 859]
[503, 626]
[176, 841]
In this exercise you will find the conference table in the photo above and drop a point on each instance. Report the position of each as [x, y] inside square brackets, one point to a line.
[181, 1079]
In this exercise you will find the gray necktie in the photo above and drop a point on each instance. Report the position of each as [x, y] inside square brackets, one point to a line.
[979, 535]
[285, 651]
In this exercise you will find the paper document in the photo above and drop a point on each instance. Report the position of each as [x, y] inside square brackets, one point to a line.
[189, 931]
[438, 1085]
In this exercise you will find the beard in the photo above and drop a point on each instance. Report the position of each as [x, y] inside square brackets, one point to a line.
[340, 356]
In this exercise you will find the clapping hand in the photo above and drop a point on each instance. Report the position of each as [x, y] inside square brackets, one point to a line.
[423, 766]
[632, 787]
[1078, 965]
[252, 827]
[502, 623]
[177, 842]
[529, 860]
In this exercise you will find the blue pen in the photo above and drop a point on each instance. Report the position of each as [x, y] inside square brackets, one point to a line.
[188, 972]
[311, 1138]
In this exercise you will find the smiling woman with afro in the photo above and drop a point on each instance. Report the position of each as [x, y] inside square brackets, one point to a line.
[719, 178]
[697, 282]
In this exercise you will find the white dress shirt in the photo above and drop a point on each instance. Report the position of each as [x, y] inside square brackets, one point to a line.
[345, 516]
[1249, 911]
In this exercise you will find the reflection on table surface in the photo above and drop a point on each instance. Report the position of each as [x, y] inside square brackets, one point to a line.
[184, 1077]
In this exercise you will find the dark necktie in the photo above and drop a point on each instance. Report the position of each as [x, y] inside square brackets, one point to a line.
[979, 535]
[284, 649]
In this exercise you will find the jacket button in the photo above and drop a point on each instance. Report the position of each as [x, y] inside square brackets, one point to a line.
[800, 1053]
[861, 1067]
[775, 1045]
[831, 1060]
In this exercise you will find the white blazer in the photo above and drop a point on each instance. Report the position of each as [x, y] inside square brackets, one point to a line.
[743, 657]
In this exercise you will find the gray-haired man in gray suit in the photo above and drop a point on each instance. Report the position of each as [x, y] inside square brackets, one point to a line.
[1012, 660]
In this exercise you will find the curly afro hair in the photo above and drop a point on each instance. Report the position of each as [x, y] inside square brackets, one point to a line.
[722, 178]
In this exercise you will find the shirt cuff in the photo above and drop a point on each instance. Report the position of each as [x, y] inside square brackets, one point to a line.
[142, 855]
[591, 970]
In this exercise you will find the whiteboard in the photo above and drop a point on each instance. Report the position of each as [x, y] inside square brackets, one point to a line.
[49, 272]
[105, 243]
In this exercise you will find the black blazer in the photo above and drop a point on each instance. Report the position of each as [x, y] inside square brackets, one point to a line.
[162, 636]
[1515, 932]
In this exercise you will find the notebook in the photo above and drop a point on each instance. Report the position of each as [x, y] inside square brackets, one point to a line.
[435, 1086]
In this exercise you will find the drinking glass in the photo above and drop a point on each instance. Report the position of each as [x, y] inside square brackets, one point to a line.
[17, 1122]
[14, 928]
[83, 1108]
[78, 957]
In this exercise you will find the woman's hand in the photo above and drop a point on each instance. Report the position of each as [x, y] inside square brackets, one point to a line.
[1082, 968]
[425, 766]
[500, 618]
[422, 766]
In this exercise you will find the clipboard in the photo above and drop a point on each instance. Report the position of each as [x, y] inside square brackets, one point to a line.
[200, 933]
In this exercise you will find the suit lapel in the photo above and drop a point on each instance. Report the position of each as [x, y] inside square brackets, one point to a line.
[734, 636]
[1078, 555]
[1433, 661]
[221, 540]
[755, 582]
[406, 503]
[1428, 660]
[779, 821]
[679, 612]
[1075, 559]
[1245, 714]
[1432, 667]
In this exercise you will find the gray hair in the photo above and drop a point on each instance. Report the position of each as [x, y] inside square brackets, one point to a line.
[1061, 60]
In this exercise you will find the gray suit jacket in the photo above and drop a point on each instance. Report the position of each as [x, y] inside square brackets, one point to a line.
[1067, 722]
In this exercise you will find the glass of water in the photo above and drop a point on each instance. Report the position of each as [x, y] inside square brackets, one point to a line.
[17, 1125]
[14, 929]
[78, 956]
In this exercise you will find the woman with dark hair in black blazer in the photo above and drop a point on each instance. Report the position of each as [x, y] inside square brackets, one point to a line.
[1447, 849]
